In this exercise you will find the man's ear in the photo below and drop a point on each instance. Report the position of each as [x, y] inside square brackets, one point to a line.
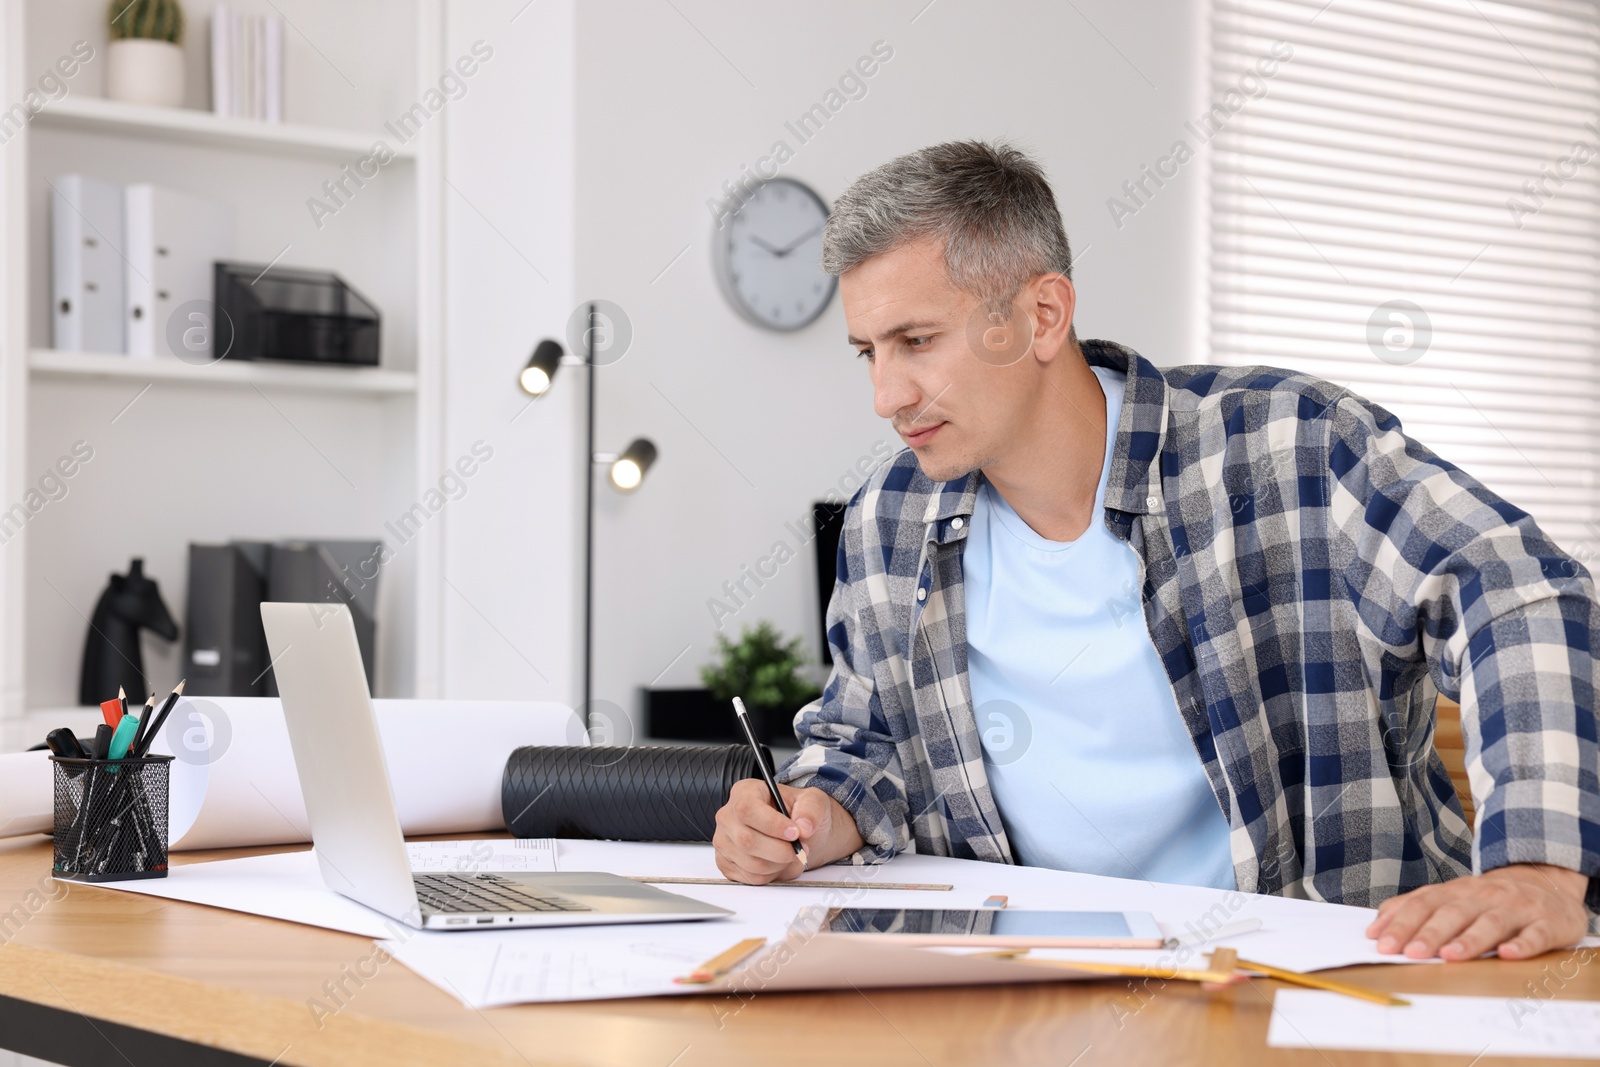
[1054, 301]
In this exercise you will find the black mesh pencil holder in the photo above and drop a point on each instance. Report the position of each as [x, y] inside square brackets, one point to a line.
[111, 818]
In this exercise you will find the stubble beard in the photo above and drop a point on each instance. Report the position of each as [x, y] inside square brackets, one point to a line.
[948, 468]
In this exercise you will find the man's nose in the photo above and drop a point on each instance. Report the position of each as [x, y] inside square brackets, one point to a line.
[892, 391]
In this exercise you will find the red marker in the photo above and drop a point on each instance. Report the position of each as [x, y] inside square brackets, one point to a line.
[111, 711]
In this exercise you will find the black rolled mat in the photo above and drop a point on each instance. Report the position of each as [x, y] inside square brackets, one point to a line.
[643, 793]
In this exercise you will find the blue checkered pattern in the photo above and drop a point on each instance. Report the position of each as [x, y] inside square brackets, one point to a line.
[1313, 579]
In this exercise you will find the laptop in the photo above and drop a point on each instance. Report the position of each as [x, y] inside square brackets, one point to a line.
[355, 829]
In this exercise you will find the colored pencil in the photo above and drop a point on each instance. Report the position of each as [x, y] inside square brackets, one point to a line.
[721, 964]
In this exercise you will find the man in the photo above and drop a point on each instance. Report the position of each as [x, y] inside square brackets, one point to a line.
[1308, 577]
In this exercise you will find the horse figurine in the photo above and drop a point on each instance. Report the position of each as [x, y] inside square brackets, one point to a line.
[111, 655]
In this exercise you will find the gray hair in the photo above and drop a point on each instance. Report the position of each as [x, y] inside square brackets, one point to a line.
[989, 203]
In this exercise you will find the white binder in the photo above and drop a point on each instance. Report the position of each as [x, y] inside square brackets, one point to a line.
[86, 268]
[173, 241]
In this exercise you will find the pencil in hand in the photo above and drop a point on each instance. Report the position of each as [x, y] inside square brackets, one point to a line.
[766, 776]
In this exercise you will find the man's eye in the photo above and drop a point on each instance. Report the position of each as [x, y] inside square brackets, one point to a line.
[916, 342]
[864, 353]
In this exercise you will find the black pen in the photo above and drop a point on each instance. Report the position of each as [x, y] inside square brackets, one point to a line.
[766, 775]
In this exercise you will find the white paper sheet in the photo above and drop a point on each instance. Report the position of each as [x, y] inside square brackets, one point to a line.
[486, 968]
[284, 885]
[600, 963]
[27, 796]
[1468, 1026]
[484, 854]
[510, 967]
[573, 963]
[1301, 935]
[288, 885]
[234, 781]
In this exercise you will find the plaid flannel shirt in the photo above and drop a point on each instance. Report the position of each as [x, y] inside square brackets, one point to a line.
[1312, 580]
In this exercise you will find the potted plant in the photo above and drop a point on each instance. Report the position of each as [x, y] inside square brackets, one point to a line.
[768, 673]
[144, 64]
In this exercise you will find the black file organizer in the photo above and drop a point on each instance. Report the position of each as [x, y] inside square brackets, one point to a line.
[111, 818]
[285, 313]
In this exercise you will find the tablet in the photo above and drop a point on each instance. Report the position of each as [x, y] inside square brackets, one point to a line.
[1000, 927]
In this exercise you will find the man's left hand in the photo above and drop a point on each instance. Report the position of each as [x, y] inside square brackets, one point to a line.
[1519, 911]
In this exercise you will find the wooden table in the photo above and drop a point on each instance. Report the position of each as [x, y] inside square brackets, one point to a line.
[98, 976]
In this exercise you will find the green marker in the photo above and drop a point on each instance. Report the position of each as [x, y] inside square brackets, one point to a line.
[122, 739]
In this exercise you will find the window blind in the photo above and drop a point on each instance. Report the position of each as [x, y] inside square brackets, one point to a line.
[1410, 207]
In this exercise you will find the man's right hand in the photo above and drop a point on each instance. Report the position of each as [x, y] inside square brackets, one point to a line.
[754, 842]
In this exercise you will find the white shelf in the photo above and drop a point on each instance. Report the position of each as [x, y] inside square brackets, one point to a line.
[49, 363]
[384, 422]
[189, 126]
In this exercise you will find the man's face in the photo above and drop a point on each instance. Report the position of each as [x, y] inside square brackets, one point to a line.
[949, 381]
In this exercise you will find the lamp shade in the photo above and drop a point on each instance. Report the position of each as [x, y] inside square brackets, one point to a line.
[540, 372]
[628, 470]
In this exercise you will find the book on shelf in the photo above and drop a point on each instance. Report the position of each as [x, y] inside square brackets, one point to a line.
[272, 70]
[246, 65]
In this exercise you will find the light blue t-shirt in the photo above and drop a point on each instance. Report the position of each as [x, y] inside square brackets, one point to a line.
[1088, 757]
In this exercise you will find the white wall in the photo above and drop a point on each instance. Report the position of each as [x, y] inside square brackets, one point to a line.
[511, 594]
[752, 425]
[13, 369]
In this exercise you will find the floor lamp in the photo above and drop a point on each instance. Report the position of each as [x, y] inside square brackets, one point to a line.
[625, 470]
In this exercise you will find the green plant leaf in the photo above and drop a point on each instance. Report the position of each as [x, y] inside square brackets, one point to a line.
[762, 668]
[154, 20]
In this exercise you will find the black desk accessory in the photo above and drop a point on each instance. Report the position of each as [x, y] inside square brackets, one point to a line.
[225, 653]
[111, 818]
[111, 655]
[224, 647]
[305, 316]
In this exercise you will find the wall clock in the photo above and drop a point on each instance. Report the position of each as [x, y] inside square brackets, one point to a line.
[767, 254]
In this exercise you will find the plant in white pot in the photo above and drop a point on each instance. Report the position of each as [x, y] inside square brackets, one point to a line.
[145, 62]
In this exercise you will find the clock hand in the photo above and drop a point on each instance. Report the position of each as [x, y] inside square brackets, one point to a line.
[798, 241]
[756, 240]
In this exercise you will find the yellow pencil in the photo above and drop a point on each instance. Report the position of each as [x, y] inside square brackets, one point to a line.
[1312, 981]
[1130, 970]
[1210, 977]
[720, 965]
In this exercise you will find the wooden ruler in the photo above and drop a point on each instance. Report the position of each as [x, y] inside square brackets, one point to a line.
[808, 884]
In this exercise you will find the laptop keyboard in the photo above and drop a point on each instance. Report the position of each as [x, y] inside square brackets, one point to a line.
[485, 893]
